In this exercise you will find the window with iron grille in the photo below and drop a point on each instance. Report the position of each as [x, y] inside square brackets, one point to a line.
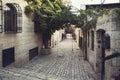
[12, 18]
[1, 18]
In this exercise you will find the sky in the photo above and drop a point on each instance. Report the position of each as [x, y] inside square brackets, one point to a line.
[78, 3]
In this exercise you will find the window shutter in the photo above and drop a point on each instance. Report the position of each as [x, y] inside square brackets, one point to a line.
[107, 41]
[1, 18]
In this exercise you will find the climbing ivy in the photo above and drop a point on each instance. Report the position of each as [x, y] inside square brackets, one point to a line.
[117, 10]
[49, 15]
[93, 14]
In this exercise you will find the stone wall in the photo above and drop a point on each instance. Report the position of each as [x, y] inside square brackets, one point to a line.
[56, 37]
[77, 34]
[22, 42]
[111, 25]
[91, 54]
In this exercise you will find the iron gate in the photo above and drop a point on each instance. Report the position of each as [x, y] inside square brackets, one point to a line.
[114, 55]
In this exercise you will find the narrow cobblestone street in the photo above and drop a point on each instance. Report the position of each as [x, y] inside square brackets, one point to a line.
[64, 63]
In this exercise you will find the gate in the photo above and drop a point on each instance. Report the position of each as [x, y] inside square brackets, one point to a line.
[33, 52]
[114, 55]
[8, 56]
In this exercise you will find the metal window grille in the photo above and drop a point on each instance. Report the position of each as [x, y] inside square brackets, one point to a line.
[1, 18]
[13, 18]
[8, 56]
[92, 40]
[33, 52]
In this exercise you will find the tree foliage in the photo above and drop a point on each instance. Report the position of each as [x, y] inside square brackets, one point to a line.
[117, 10]
[49, 15]
[93, 13]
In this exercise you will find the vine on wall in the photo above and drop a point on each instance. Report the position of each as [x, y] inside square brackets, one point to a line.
[118, 13]
[94, 13]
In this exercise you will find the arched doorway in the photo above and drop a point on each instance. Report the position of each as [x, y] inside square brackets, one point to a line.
[100, 49]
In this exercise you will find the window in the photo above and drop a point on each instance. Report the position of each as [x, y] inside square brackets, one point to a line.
[106, 41]
[12, 18]
[8, 56]
[88, 38]
[33, 52]
[1, 23]
[92, 40]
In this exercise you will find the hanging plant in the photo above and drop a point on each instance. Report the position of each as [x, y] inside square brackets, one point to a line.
[93, 13]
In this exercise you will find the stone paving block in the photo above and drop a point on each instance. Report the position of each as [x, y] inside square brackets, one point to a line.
[65, 62]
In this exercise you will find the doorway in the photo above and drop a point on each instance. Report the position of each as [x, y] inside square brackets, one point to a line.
[100, 50]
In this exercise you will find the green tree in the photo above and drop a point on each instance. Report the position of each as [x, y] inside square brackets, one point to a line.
[49, 15]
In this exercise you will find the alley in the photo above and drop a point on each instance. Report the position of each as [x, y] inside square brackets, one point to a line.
[64, 63]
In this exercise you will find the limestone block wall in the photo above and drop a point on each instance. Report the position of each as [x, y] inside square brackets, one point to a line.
[91, 53]
[56, 37]
[22, 42]
[77, 33]
[104, 23]
[115, 44]
[111, 25]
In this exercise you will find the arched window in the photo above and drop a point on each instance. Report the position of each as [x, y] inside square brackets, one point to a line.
[12, 18]
[1, 23]
[92, 40]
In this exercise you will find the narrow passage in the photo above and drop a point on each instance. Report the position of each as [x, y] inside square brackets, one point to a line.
[64, 63]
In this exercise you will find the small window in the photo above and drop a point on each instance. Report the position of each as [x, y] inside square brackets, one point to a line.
[12, 18]
[36, 27]
[33, 52]
[92, 40]
[8, 56]
[106, 41]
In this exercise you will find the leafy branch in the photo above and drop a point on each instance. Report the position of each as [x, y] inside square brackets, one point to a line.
[93, 14]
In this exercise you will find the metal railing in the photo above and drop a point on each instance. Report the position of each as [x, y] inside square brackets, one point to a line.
[114, 55]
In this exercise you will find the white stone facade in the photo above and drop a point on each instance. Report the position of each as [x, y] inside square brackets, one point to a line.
[111, 25]
[56, 37]
[22, 42]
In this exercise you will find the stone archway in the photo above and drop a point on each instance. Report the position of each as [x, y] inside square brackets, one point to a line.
[100, 49]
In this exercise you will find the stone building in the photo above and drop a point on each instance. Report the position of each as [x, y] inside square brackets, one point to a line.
[56, 37]
[18, 42]
[105, 39]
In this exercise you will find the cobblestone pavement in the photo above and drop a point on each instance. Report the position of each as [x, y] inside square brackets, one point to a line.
[64, 63]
